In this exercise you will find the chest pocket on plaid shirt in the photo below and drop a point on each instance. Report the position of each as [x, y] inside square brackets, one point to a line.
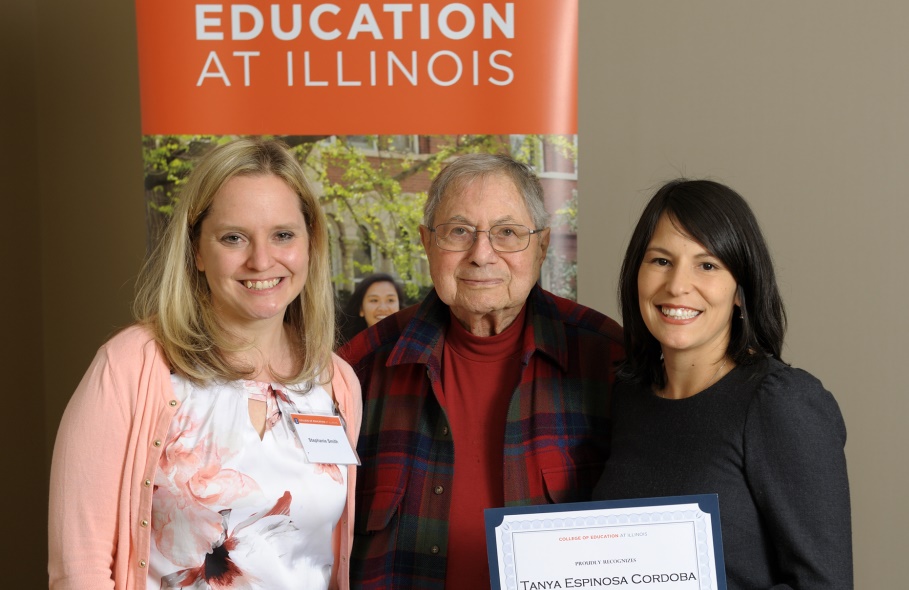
[377, 505]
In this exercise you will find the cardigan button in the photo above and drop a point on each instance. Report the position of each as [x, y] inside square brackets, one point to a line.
[445, 430]
[142, 563]
[438, 490]
[144, 523]
[173, 403]
[434, 549]
[147, 483]
[157, 443]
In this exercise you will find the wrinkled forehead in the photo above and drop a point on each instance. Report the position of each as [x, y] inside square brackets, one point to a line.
[500, 196]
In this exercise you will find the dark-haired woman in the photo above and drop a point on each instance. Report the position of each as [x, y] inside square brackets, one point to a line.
[376, 297]
[706, 404]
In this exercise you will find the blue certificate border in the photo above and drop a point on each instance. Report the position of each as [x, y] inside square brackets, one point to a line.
[708, 503]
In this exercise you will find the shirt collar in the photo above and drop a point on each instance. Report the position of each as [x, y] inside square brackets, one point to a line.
[423, 338]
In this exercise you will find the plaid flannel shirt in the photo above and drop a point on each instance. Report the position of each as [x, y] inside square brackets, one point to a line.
[556, 435]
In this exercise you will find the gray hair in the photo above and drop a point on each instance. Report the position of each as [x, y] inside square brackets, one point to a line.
[468, 168]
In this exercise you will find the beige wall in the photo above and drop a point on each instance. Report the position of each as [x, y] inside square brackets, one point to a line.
[73, 234]
[22, 425]
[801, 106]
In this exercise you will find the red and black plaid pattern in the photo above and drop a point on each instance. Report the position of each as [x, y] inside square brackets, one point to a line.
[556, 435]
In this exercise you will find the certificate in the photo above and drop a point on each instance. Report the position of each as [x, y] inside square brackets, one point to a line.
[662, 543]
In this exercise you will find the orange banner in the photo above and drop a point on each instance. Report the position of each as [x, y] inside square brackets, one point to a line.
[358, 67]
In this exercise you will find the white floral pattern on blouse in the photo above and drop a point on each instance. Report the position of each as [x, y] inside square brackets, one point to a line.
[231, 511]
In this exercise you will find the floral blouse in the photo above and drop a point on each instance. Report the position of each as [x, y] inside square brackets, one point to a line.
[231, 510]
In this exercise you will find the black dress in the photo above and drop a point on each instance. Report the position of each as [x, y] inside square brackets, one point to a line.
[768, 439]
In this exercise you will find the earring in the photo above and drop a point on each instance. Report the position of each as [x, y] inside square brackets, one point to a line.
[741, 314]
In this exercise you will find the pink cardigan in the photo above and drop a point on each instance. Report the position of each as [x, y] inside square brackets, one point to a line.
[105, 459]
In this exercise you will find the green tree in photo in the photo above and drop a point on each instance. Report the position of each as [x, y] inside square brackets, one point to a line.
[372, 189]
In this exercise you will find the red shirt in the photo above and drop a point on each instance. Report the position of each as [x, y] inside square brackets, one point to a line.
[479, 375]
[556, 431]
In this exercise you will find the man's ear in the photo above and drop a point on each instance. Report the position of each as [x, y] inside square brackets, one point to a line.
[544, 243]
[425, 238]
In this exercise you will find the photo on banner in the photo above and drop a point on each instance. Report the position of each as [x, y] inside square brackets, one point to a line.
[373, 98]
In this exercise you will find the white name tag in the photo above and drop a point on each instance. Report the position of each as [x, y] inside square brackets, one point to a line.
[324, 439]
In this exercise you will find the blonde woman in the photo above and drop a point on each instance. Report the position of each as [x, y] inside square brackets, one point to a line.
[177, 462]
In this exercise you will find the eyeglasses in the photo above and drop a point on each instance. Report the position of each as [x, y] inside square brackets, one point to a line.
[458, 237]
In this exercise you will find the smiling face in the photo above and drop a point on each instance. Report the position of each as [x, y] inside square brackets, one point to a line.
[254, 250]
[485, 289]
[686, 295]
[379, 302]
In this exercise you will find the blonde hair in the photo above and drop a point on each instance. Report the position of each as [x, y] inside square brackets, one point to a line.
[173, 297]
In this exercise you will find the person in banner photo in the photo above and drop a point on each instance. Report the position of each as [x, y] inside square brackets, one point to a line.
[180, 460]
[705, 404]
[376, 297]
[491, 392]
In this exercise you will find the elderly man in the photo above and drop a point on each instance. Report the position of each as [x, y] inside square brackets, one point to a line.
[491, 392]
